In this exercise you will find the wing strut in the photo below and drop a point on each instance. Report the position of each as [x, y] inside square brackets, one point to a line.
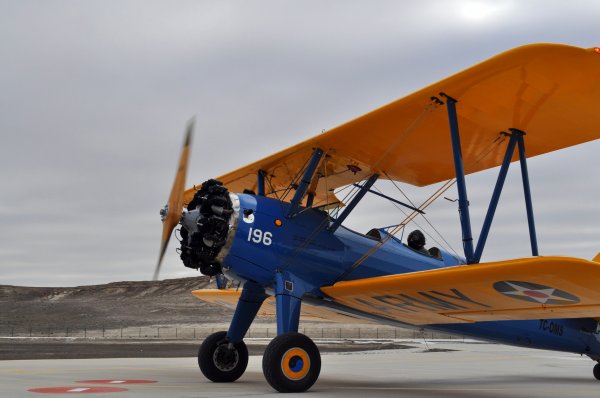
[463, 201]
[516, 140]
[489, 217]
[260, 182]
[305, 182]
[361, 193]
[527, 192]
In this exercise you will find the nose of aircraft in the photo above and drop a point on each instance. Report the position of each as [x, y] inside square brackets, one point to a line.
[205, 227]
[205, 224]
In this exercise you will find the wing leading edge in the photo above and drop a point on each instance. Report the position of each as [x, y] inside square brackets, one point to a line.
[229, 297]
[529, 288]
[550, 91]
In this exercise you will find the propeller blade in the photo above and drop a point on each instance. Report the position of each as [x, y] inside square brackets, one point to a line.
[175, 204]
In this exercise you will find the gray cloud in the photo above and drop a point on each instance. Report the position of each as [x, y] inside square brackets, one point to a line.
[95, 96]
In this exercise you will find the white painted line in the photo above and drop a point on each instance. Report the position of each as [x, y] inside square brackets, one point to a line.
[117, 382]
[78, 389]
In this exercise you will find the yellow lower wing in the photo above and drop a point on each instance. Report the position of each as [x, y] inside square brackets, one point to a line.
[529, 288]
[229, 298]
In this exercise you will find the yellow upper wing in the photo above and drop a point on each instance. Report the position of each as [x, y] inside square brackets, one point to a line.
[549, 91]
[530, 288]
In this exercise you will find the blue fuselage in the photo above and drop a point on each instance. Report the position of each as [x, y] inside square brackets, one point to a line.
[305, 247]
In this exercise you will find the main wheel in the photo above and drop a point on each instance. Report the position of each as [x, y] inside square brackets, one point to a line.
[219, 361]
[291, 363]
[597, 371]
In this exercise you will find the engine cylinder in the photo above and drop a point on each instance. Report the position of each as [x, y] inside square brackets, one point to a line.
[205, 228]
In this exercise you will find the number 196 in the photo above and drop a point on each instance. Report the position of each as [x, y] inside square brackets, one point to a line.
[258, 236]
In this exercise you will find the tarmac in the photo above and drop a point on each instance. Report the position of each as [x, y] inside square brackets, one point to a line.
[432, 369]
[77, 348]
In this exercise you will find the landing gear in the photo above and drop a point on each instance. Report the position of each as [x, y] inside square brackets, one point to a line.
[291, 362]
[597, 371]
[221, 361]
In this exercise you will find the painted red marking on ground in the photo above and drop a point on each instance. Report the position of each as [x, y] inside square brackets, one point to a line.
[116, 381]
[76, 390]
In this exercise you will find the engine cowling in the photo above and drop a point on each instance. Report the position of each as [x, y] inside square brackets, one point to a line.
[207, 227]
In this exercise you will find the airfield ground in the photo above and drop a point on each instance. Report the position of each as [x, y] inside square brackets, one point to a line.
[438, 369]
[76, 348]
[151, 331]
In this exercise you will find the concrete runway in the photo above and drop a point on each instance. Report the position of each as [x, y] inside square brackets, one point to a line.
[473, 370]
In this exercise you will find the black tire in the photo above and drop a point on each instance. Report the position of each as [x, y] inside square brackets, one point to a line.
[291, 363]
[597, 371]
[218, 362]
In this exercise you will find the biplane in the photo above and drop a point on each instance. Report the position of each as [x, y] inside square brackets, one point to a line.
[275, 228]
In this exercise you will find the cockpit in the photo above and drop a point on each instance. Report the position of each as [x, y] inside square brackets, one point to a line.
[415, 241]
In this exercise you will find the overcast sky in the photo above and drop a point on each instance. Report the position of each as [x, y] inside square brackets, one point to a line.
[94, 97]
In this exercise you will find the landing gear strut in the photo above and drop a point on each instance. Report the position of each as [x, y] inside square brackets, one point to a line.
[221, 361]
[291, 362]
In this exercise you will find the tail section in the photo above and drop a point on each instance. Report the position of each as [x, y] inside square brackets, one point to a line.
[597, 258]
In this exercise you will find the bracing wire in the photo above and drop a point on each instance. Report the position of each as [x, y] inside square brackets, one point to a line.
[483, 154]
[316, 231]
[323, 224]
[446, 245]
[401, 226]
[295, 179]
[486, 151]
[326, 200]
[273, 191]
[428, 110]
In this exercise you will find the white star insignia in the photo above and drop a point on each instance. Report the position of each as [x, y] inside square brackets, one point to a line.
[542, 296]
[535, 293]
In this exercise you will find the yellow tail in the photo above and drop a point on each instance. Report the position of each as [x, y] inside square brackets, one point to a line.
[597, 258]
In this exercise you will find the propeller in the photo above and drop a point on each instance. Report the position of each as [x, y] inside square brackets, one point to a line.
[171, 214]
